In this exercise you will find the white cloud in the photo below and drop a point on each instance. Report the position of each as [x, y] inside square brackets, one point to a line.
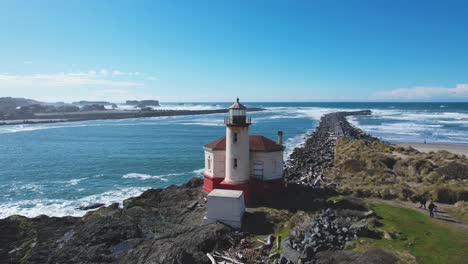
[76, 79]
[121, 73]
[104, 72]
[424, 93]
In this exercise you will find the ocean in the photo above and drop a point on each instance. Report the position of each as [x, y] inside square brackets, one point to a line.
[54, 168]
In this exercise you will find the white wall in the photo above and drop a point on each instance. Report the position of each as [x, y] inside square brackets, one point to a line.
[218, 163]
[227, 209]
[272, 164]
[239, 150]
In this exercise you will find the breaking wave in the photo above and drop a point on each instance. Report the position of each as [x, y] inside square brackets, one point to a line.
[60, 207]
[147, 176]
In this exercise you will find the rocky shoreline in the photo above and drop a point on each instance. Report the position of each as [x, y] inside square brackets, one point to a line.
[159, 226]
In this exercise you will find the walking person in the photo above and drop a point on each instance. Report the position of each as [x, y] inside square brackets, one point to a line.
[422, 202]
[432, 209]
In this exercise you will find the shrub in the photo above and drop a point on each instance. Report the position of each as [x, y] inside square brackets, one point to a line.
[446, 194]
[454, 170]
[353, 165]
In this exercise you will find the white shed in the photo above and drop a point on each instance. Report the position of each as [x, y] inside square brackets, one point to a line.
[226, 206]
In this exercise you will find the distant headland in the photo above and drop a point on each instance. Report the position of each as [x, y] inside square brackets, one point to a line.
[15, 111]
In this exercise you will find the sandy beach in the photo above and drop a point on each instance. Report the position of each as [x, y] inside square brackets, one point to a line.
[428, 147]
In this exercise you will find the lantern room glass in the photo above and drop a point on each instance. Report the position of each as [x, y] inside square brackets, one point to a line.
[237, 112]
[237, 116]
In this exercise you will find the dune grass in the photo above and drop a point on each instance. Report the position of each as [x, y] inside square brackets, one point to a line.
[415, 233]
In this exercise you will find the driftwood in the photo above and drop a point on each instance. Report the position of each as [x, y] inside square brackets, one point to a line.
[192, 205]
[274, 255]
[218, 255]
[213, 261]
[270, 240]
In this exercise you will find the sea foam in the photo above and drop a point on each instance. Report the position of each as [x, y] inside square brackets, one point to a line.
[61, 207]
[142, 176]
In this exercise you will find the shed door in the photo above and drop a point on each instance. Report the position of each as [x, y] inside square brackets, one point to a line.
[258, 169]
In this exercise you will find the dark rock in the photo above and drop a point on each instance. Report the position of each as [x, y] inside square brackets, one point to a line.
[143, 103]
[92, 206]
[93, 107]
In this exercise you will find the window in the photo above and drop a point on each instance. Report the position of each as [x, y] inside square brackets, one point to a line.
[235, 137]
[208, 163]
[258, 169]
[275, 165]
[235, 163]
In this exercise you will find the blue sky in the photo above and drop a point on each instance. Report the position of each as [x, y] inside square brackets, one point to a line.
[217, 50]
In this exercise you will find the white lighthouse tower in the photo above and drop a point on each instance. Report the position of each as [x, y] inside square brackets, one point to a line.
[237, 145]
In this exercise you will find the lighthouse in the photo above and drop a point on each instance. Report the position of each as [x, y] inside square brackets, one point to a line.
[237, 145]
[239, 161]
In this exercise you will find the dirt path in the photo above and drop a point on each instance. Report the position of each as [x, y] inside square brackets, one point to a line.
[441, 216]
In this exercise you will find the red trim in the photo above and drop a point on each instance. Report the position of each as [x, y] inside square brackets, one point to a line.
[210, 183]
[254, 190]
[240, 187]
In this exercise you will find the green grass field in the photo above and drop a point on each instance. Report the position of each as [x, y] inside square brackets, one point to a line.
[415, 233]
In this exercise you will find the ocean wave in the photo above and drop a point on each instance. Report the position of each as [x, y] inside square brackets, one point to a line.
[76, 181]
[34, 127]
[399, 128]
[408, 115]
[295, 142]
[147, 176]
[37, 188]
[214, 123]
[314, 113]
[199, 172]
[190, 106]
[60, 207]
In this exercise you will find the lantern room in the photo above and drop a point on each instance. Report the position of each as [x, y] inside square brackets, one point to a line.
[237, 115]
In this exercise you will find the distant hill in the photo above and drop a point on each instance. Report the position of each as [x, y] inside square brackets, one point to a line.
[83, 103]
[142, 103]
[10, 103]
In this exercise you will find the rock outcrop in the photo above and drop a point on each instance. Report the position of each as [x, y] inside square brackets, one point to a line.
[142, 103]
[159, 226]
[327, 231]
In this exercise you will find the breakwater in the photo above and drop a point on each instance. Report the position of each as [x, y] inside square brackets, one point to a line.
[309, 162]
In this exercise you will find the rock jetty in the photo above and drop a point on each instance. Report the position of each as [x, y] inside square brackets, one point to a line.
[307, 163]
